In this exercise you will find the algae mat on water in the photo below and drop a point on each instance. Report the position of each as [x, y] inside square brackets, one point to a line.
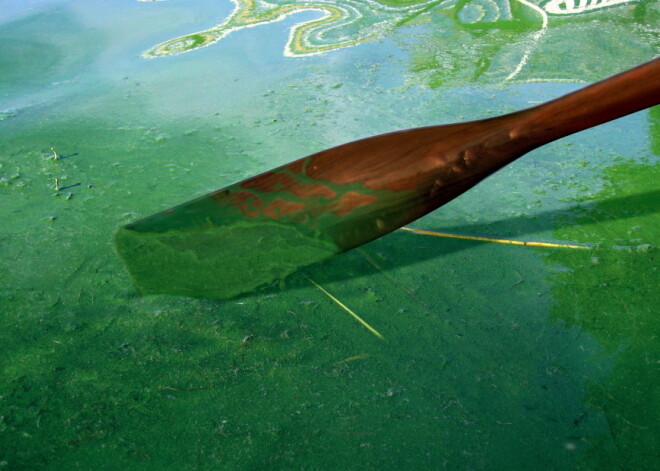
[496, 356]
[616, 286]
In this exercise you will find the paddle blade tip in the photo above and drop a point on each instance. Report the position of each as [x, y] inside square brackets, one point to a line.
[219, 262]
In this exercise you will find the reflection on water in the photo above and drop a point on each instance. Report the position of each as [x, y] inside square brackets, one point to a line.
[525, 42]
[341, 24]
[348, 22]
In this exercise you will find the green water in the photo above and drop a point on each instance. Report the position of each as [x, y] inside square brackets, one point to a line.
[495, 356]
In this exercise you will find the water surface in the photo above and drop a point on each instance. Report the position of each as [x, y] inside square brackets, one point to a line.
[494, 356]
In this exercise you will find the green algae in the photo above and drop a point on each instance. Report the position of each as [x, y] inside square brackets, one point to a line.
[481, 369]
[219, 261]
[616, 286]
[96, 376]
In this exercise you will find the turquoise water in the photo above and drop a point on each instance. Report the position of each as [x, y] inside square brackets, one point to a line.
[494, 356]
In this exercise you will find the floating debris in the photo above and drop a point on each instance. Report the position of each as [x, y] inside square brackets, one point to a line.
[8, 114]
[362, 356]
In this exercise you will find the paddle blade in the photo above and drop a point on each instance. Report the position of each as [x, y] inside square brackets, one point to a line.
[217, 261]
[252, 233]
[262, 229]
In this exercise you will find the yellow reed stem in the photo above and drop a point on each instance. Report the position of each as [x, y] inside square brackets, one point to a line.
[347, 309]
[498, 241]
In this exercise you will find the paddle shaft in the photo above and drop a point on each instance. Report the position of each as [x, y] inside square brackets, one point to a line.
[428, 167]
[622, 94]
[480, 148]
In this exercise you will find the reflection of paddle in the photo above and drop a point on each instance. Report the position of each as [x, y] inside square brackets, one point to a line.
[264, 228]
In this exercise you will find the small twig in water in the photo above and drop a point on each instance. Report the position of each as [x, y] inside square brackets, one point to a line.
[345, 308]
[361, 356]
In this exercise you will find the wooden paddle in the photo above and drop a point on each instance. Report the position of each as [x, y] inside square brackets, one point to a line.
[262, 229]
